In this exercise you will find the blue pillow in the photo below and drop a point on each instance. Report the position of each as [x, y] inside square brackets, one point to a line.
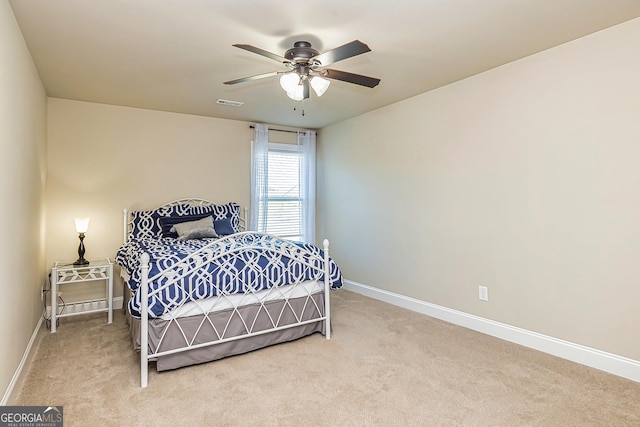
[223, 227]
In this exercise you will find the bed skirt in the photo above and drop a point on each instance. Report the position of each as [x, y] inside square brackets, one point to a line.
[174, 337]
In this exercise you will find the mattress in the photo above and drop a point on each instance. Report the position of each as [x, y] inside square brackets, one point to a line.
[234, 300]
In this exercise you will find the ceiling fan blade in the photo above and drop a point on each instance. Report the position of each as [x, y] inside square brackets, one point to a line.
[344, 76]
[251, 78]
[262, 52]
[345, 51]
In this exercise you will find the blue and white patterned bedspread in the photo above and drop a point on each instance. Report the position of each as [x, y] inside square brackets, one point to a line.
[243, 262]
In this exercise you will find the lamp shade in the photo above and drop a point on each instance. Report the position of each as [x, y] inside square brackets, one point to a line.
[319, 85]
[289, 81]
[82, 225]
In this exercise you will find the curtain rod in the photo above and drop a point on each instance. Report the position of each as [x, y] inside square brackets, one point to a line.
[279, 130]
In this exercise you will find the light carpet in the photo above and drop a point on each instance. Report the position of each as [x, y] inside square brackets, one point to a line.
[384, 366]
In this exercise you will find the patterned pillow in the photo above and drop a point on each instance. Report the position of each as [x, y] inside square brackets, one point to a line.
[230, 210]
[146, 224]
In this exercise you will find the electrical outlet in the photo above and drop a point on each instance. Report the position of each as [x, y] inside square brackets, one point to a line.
[483, 293]
[41, 293]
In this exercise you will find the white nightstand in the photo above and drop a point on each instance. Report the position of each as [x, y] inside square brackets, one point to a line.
[95, 271]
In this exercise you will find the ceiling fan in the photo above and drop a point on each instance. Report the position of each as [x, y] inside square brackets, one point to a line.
[305, 67]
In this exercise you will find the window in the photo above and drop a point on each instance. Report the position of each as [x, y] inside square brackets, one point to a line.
[283, 186]
[284, 199]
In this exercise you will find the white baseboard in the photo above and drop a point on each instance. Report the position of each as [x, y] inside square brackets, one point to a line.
[611, 363]
[26, 357]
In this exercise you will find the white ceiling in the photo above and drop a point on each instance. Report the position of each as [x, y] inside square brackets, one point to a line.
[174, 55]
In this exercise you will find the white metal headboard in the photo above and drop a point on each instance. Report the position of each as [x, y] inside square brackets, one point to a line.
[192, 201]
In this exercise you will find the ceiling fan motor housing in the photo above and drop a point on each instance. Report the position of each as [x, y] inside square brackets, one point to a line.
[301, 52]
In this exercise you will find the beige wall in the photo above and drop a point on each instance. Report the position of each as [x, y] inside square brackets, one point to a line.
[22, 181]
[103, 158]
[524, 179]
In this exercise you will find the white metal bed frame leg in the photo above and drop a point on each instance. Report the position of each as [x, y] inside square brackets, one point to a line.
[144, 322]
[327, 290]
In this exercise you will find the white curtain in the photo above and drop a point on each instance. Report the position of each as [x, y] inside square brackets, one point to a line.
[259, 174]
[307, 144]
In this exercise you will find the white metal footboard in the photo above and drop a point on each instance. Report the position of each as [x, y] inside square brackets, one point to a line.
[319, 265]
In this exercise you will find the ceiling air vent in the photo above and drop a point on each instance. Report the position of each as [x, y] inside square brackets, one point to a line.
[229, 103]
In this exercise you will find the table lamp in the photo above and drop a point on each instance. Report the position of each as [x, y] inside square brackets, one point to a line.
[82, 225]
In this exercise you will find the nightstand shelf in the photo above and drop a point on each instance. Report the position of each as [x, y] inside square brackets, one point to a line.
[94, 272]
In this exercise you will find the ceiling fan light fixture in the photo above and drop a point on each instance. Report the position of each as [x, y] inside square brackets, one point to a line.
[289, 81]
[297, 94]
[319, 85]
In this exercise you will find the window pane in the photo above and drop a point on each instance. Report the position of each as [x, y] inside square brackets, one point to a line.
[284, 218]
[284, 174]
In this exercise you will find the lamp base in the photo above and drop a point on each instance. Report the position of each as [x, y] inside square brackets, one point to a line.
[81, 260]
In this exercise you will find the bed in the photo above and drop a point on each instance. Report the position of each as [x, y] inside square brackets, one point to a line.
[199, 287]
